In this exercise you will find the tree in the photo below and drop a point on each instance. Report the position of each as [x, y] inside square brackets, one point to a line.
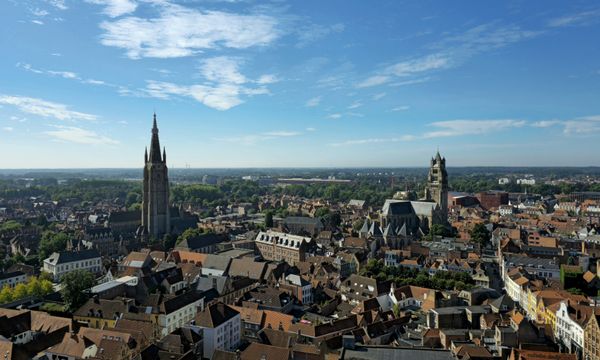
[480, 234]
[321, 212]
[436, 230]
[52, 242]
[20, 291]
[74, 285]
[6, 295]
[269, 219]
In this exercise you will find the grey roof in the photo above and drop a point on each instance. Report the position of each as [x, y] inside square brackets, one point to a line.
[216, 262]
[200, 241]
[70, 256]
[304, 220]
[403, 231]
[212, 282]
[423, 208]
[394, 353]
[375, 230]
[397, 207]
[365, 228]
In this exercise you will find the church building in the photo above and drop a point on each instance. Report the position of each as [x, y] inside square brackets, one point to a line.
[401, 217]
[155, 203]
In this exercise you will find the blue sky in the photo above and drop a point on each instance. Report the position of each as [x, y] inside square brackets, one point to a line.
[299, 83]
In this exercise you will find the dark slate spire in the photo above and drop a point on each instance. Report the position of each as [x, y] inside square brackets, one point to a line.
[155, 144]
[146, 155]
[164, 154]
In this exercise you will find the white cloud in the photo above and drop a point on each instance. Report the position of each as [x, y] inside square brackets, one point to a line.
[39, 12]
[404, 138]
[65, 74]
[282, 133]
[44, 108]
[373, 81]
[116, 8]
[334, 116]
[8, 129]
[59, 4]
[355, 105]
[545, 123]
[267, 79]
[586, 125]
[470, 127]
[582, 18]
[56, 54]
[314, 32]
[450, 52]
[224, 88]
[38, 22]
[379, 96]
[401, 108]
[79, 136]
[311, 129]
[253, 139]
[180, 31]
[312, 102]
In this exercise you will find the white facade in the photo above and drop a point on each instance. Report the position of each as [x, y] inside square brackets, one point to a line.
[93, 265]
[526, 181]
[568, 331]
[176, 319]
[12, 281]
[223, 337]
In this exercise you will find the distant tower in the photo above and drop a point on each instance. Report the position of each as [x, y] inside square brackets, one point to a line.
[437, 183]
[155, 203]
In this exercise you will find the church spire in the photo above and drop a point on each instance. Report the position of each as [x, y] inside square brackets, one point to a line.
[164, 154]
[146, 155]
[155, 144]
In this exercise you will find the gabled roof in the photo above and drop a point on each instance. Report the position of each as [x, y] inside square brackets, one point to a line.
[215, 315]
[64, 257]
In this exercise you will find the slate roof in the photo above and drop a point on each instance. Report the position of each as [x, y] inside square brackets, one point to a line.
[215, 315]
[200, 241]
[64, 257]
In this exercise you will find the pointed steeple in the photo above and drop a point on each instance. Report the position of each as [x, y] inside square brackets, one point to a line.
[146, 155]
[164, 154]
[155, 144]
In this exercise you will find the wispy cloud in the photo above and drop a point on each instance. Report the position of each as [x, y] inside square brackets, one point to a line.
[59, 4]
[311, 33]
[401, 108]
[449, 52]
[404, 138]
[545, 123]
[180, 31]
[379, 96]
[470, 127]
[445, 129]
[253, 139]
[64, 74]
[115, 8]
[311, 129]
[579, 19]
[334, 116]
[44, 108]
[355, 105]
[79, 136]
[8, 128]
[225, 88]
[37, 22]
[312, 102]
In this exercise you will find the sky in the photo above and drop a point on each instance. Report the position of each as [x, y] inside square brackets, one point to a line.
[337, 83]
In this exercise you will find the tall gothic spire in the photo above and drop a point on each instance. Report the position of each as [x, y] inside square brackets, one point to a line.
[155, 144]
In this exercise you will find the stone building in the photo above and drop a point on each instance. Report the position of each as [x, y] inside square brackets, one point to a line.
[278, 246]
[155, 204]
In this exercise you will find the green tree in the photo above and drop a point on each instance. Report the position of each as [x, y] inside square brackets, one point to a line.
[480, 234]
[51, 242]
[74, 285]
[6, 295]
[269, 219]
